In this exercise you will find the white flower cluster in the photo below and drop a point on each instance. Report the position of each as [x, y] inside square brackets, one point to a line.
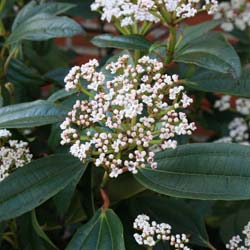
[236, 242]
[239, 127]
[13, 154]
[235, 13]
[152, 233]
[126, 115]
[188, 8]
[128, 12]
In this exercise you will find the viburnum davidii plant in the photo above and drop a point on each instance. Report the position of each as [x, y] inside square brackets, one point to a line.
[145, 145]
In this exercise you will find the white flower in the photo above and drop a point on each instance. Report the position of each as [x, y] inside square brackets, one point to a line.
[125, 115]
[129, 13]
[4, 133]
[243, 106]
[13, 154]
[236, 243]
[152, 233]
[223, 103]
[235, 14]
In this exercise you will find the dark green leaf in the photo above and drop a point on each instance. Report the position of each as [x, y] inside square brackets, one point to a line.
[76, 212]
[33, 8]
[30, 114]
[33, 184]
[19, 73]
[188, 34]
[39, 230]
[60, 94]
[63, 199]
[82, 9]
[212, 52]
[234, 224]
[103, 232]
[7, 8]
[134, 42]
[201, 171]
[28, 238]
[44, 26]
[117, 192]
[211, 81]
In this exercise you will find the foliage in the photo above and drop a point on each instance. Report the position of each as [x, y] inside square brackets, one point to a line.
[117, 161]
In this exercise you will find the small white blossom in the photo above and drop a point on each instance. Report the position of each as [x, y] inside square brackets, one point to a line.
[239, 127]
[235, 14]
[13, 154]
[223, 103]
[152, 233]
[4, 133]
[236, 243]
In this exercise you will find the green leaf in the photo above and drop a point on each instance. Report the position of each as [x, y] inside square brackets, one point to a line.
[103, 232]
[118, 193]
[234, 224]
[188, 34]
[63, 199]
[201, 171]
[212, 52]
[76, 212]
[33, 8]
[39, 230]
[211, 81]
[28, 238]
[82, 9]
[60, 94]
[157, 45]
[133, 42]
[33, 184]
[1, 98]
[30, 114]
[20, 73]
[44, 26]
[7, 8]
[3, 227]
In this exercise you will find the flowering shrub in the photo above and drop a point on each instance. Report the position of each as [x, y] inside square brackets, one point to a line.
[144, 147]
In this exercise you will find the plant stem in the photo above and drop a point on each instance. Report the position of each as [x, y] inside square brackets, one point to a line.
[86, 92]
[105, 179]
[171, 42]
[210, 246]
[105, 199]
[137, 55]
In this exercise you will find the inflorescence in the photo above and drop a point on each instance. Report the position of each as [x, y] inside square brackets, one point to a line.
[236, 14]
[13, 154]
[127, 14]
[236, 243]
[239, 126]
[152, 233]
[126, 115]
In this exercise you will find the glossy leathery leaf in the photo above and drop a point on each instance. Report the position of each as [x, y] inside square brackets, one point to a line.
[31, 114]
[212, 81]
[44, 26]
[103, 232]
[130, 42]
[213, 171]
[33, 184]
[212, 52]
